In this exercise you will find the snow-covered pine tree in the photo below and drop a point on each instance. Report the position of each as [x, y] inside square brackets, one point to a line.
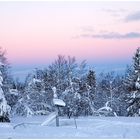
[4, 107]
[132, 83]
[91, 81]
[7, 79]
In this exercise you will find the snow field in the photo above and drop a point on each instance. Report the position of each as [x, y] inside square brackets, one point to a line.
[87, 127]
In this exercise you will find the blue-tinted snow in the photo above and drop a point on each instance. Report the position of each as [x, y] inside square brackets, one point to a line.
[87, 127]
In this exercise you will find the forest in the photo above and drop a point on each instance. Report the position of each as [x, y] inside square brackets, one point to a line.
[85, 93]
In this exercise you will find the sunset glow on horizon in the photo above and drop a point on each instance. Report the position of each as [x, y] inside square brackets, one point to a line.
[101, 32]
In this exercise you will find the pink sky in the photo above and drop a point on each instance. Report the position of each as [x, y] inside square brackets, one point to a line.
[36, 32]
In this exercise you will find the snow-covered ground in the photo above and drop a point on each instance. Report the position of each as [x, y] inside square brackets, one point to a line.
[87, 127]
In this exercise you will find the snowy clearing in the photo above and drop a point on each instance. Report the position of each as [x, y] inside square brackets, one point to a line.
[87, 127]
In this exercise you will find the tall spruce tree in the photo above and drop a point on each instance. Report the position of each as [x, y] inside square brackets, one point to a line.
[4, 107]
[132, 83]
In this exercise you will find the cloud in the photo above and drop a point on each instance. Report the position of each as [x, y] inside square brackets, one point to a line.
[112, 35]
[87, 28]
[133, 17]
[115, 12]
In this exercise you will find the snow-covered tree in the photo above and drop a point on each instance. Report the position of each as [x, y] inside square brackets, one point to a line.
[35, 100]
[110, 92]
[5, 79]
[81, 70]
[72, 99]
[79, 96]
[4, 107]
[71, 69]
[105, 110]
[91, 82]
[85, 101]
[58, 74]
[105, 89]
[132, 83]
[62, 72]
[119, 104]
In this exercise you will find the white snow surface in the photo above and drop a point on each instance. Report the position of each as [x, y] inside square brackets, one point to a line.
[49, 118]
[59, 102]
[87, 127]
